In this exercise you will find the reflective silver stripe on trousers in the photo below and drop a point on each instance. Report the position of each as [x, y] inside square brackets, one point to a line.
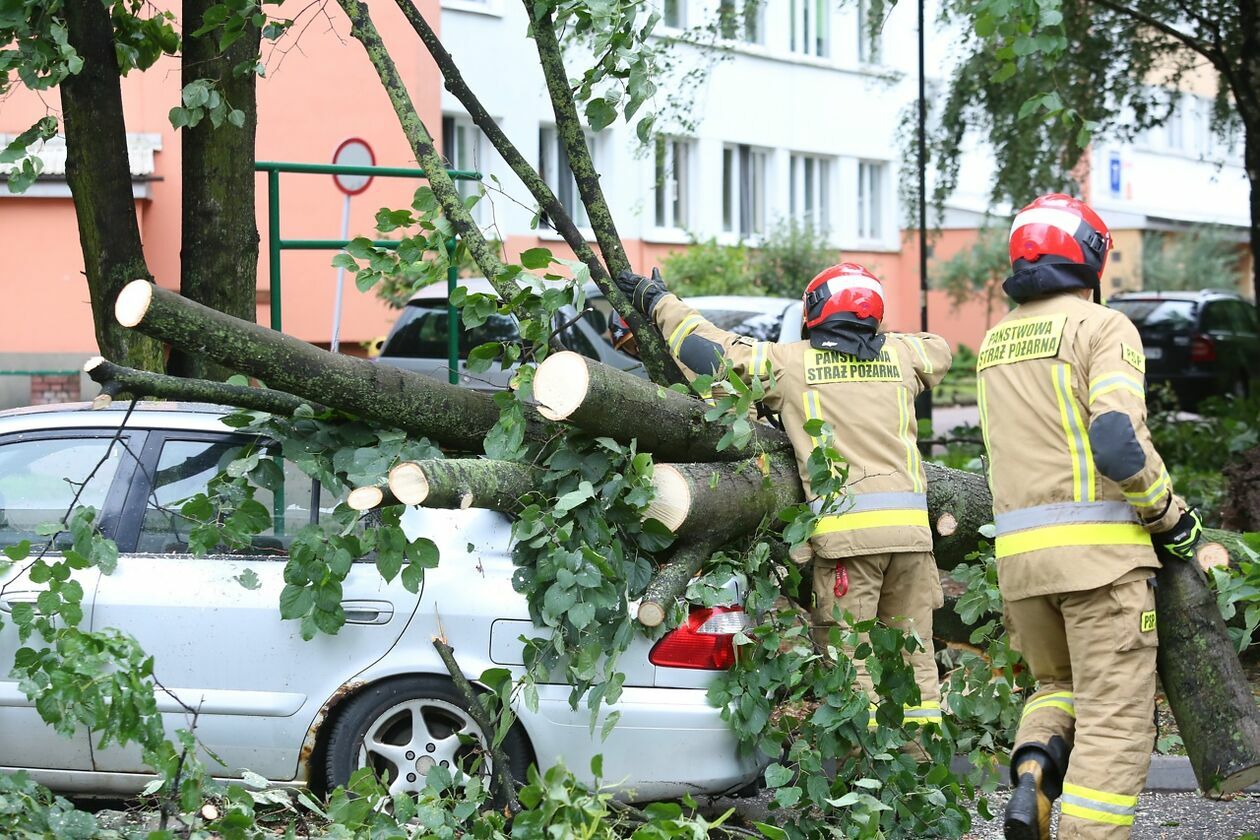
[859, 502]
[1098, 805]
[1062, 513]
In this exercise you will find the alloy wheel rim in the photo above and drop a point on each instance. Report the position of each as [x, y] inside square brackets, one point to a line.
[408, 739]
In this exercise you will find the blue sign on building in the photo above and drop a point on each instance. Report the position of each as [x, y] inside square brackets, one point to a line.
[1115, 174]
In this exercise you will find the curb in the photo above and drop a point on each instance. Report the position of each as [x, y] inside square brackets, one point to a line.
[1168, 774]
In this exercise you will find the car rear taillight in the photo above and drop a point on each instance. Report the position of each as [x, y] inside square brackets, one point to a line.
[705, 641]
[1202, 349]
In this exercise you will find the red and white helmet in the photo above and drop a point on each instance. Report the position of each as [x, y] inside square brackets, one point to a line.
[847, 290]
[1057, 228]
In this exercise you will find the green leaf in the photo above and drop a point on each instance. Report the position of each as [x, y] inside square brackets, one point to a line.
[777, 775]
[296, 601]
[600, 114]
[389, 564]
[536, 258]
[248, 579]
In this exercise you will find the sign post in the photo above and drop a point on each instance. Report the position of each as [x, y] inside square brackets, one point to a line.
[352, 152]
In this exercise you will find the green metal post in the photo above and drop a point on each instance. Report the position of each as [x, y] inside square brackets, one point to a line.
[452, 314]
[273, 244]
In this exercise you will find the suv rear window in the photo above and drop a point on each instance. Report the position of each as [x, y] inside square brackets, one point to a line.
[1166, 313]
[421, 333]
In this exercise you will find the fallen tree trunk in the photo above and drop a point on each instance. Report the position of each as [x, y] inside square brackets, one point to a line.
[464, 483]
[727, 498]
[612, 403]
[671, 579]
[454, 417]
[1207, 690]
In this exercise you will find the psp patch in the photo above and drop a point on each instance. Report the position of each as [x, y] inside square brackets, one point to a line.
[1021, 340]
[1148, 621]
[823, 367]
[1134, 357]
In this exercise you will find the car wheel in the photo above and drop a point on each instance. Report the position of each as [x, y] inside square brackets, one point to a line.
[404, 727]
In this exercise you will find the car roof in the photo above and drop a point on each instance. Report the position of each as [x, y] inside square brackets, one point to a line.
[474, 285]
[148, 414]
[742, 303]
[1193, 296]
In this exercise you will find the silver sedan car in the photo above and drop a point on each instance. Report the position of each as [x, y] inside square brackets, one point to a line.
[310, 713]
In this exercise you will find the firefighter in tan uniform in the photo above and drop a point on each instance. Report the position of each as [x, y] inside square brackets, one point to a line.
[1078, 492]
[872, 556]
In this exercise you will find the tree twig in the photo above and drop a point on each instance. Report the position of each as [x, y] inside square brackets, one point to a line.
[118, 379]
[502, 787]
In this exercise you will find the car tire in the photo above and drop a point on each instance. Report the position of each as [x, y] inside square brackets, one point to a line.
[379, 726]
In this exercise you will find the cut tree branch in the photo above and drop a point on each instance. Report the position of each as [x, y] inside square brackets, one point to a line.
[670, 580]
[661, 367]
[455, 483]
[118, 380]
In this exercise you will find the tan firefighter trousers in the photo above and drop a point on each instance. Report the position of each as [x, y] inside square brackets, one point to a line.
[901, 590]
[1093, 655]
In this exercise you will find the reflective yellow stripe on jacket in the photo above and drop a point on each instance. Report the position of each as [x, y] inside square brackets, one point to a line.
[1098, 805]
[1153, 494]
[1077, 438]
[910, 436]
[685, 328]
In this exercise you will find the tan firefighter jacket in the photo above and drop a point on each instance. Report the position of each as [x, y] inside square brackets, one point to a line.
[868, 405]
[1077, 485]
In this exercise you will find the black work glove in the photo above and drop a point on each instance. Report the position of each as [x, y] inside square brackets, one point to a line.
[1180, 540]
[644, 292]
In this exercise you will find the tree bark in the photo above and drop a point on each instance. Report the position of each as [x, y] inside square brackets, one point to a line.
[463, 483]
[670, 580]
[99, 175]
[219, 229]
[422, 145]
[116, 380]
[660, 365]
[731, 498]
[612, 403]
[1207, 690]
[1242, 499]
[454, 417]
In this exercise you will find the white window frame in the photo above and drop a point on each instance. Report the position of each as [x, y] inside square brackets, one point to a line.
[870, 47]
[477, 7]
[680, 14]
[672, 182]
[750, 29]
[553, 165]
[810, 27]
[872, 199]
[464, 147]
[810, 192]
[745, 189]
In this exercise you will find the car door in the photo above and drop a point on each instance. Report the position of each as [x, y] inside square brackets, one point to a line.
[220, 647]
[40, 473]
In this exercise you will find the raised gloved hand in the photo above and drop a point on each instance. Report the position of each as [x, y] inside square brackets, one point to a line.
[1180, 540]
[644, 292]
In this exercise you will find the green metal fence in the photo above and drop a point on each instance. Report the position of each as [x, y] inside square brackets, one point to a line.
[276, 244]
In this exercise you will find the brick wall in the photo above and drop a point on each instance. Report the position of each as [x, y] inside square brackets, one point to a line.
[54, 389]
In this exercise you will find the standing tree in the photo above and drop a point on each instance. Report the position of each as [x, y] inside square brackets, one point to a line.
[976, 272]
[1039, 79]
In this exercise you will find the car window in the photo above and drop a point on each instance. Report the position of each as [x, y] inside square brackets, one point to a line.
[39, 479]
[1216, 318]
[759, 325]
[1168, 314]
[421, 333]
[577, 340]
[185, 468]
[1242, 317]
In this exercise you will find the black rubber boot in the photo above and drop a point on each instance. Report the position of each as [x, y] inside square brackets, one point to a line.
[1037, 772]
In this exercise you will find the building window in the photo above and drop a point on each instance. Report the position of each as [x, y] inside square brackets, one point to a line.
[811, 191]
[871, 186]
[869, 46]
[462, 146]
[743, 20]
[811, 27]
[675, 13]
[1174, 129]
[744, 190]
[673, 183]
[553, 166]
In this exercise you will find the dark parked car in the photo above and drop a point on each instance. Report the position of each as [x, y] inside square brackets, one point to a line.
[1201, 343]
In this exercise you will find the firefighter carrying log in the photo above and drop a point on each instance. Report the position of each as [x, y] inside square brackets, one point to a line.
[872, 556]
[1079, 493]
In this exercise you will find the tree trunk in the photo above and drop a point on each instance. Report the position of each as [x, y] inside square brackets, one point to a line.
[1251, 159]
[1242, 498]
[661, 367]
[116, 380]
[612, 403]
[671, 579]
[455, 417]
[464, 483]
[219, 229]
[99, 175]
[731, 498]
[1207, 690]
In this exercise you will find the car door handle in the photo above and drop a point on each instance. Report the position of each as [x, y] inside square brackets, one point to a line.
[6, 603]
[368, 612]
